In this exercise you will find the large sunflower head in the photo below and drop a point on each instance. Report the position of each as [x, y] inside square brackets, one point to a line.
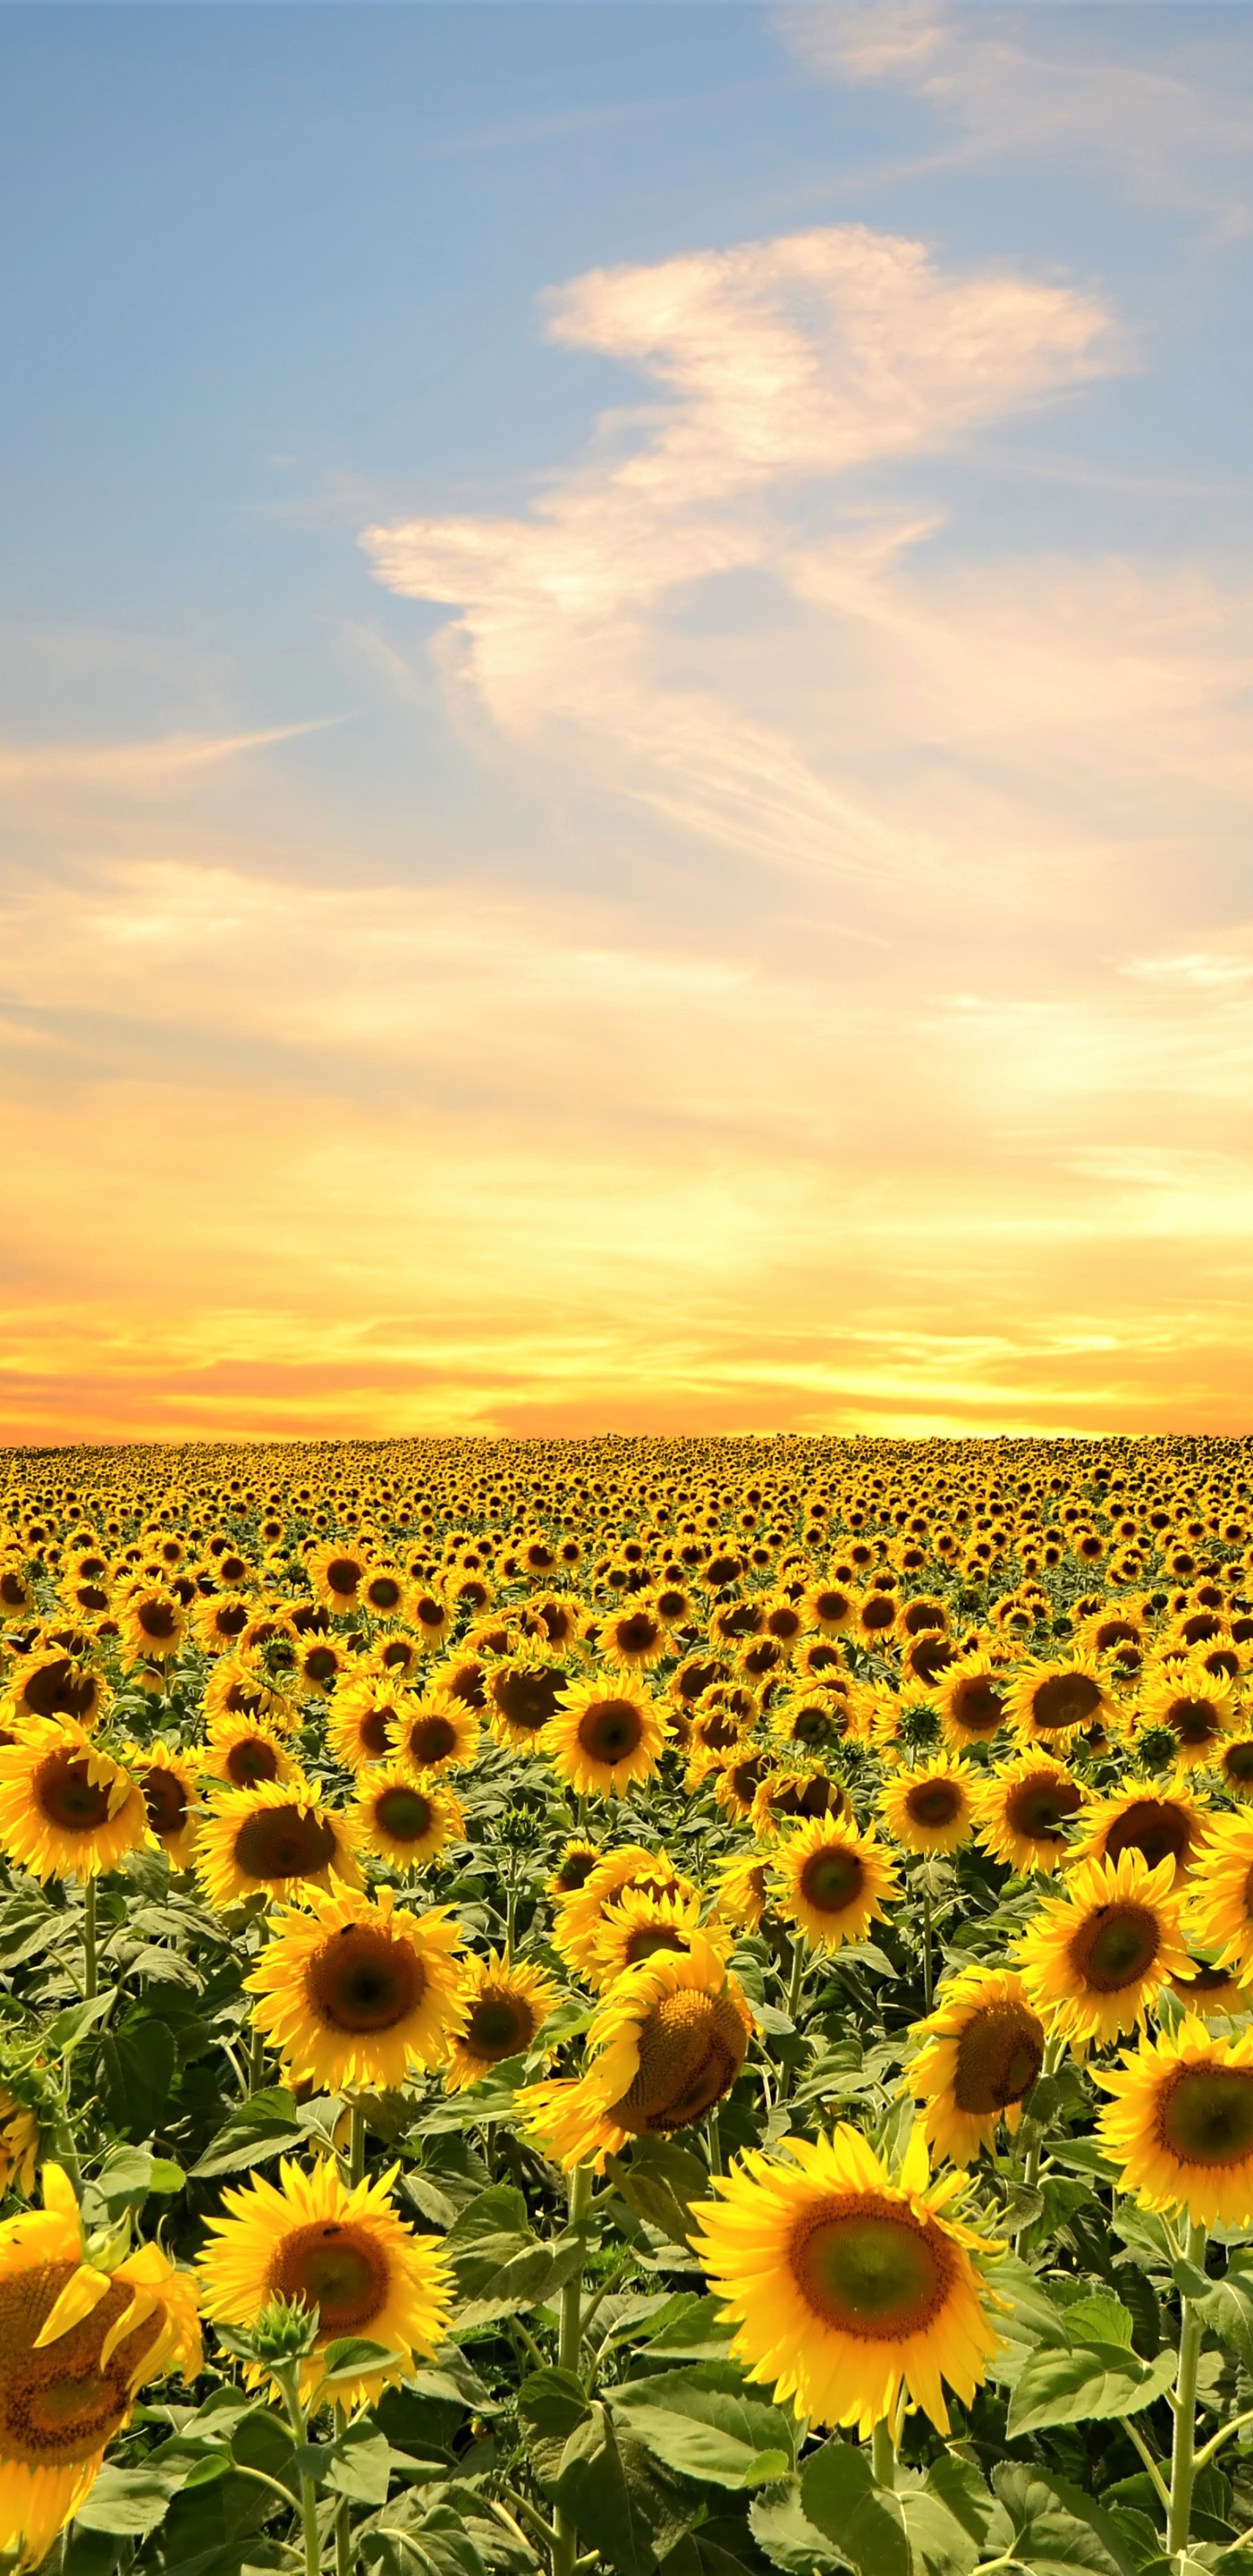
[77, 2342]
[1095, 1959]
[364, 1716]
[984, 2049]
[524, 1693]
[67, 1809]
[1181, 2124]
[581, 1915]
[346, 2253]
[406, 1816]
[605, 1735]
[1050, 1702]
[355, 1990]
[639, 1926]
[1160, 1821]
[168, 1779]
[1200, 1711]
[49, 1682]
[666, 2043]
[1220, 1896]
[833, 1881]
[435, 1733]
[931, 1808]
[272, 1841]
[846, 2286]
[336, 1572]
[507, 2004]
[1022, 1810]
[244, 1751]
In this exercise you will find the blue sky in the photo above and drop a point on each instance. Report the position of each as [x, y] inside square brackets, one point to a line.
[312, 310]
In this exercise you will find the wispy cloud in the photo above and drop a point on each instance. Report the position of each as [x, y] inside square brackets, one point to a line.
[135, 765]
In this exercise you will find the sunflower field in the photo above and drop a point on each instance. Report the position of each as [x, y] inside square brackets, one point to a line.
[682, 2008]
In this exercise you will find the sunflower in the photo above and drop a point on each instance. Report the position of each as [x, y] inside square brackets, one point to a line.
[271, 1840]
[431, 1617]
[664, 2045]
[1096, 1958]
[790, 1797]
[355, 1991]
[635, 1637]
[168, 1778]
[1233, 1763]
[1181, 2124]
[49, 1682]
[743, 1890]
[1142, 1815]
[605, 1735]
[243, 1751]
[381, 1591]
[219, 1622]
[66, 1807]
[574, 1868]
[1200, 1712]
[507, 2004]
[581, 1916]
[738, 1776]
[846, 2287]
[971, 1697]
[335, 1573]
[1048, 1703]
[1215, 1993]
[523, 1695]
[639, 1926]
[985, 2048]
[932, 1808]
[346, 2254]
[1220, 1905]
[363, 1716]
[153, 1624]
[406, 1816]
[77, 2342]
[814, 1719]
[238, 1686]
[830, 1606]
[833, 1881]
[436, 1733]
[19, 2145]
[1020, 1810]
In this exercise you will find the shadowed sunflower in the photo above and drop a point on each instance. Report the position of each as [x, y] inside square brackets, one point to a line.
[1201, 1712]
[19, 2145]
[51, 1683]
[971, 1698]
[573, 1870]
[635, 1637]
[793, 1797]
[932, 1808]
[271, 1840]
[1022, 1809]
[847, 2288]
[346, 2253]
[666, 2043]
[816, 1719]
[1215, 1994]
[243, 1751]
[354, 1990]
[737, 1777]
[506, 2006]
[580, 1916]
[605, 1735]
[524, 1693]
[168, 1779]
[832, 1881]
[1233, 1763]
[985, 2048]
[66, 1808]
[438, 1733]
[1220, 1903]
[638, 1927]
[1095, 1959]
[239, 1686]
[1049, 1702]
[742, 1886]
[219, 1622]
[76, 2345]
[1159, 1822]
[364, 1715]
[1181, 2124]
[405, 1817]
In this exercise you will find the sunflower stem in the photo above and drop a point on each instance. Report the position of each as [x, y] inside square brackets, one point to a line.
[883, 2454]
[926, 1949]
[356, 2147]
[343, 2536]
[715, 2143]
[256, 2059]
[289, 2381]
[1183, 2448]
[89, 1940]
[569, 2352]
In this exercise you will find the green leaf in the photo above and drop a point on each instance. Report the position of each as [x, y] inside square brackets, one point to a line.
[1098, 2320]
[1057, 2530]
[70, 2026]
[609, 2491]
[265, 2125]
[137, 2069]
[723, 2547]
[1227, 2310]
[790, 2540]
[132, 2500]
[659, 2181]
[353, 2357]
[701, 2424]
[131, 2174]
[1090, 2384]
[688, 2329]
[1033, 2318]
[360, 2464]
[551, 2403]
[865, 2522]
[966, 2496]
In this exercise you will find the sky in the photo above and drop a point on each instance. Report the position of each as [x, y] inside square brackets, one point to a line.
[626, 647]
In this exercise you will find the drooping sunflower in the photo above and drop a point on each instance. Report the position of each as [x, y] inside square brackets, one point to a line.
[1049, 1702]
[405, 1816]
[971, 1698]
[524, 1693]
[346, 2253]
[985, 2048]
[273, 1839]
[1214, 1994]
[219, 1621]
[507, 2003]
[19, 2145]
[665, 2044]
[580, 1916]
[1095, 1959]
[833, 1881]
[239, 1686]
[639, 1926]
[1160, 1821]
[438, 1733]
[847, 2288]
[66, 1807]
[364, 1716]
[1021, 1810]
[1200, 1712]
[605, 1735]
[931, 1808]
[356, 1990]
[49, 1682]
[168, 1778]
[1181, 2124]
[574, 1868]
[742, 1884]
[76, 2344]
[1220, 1902]
[737, 1776]
[243, 1751]
[792, 1797]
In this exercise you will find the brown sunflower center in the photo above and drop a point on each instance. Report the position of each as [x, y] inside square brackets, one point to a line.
[501, 2025]
[527, 1700]
[816, 1797]
[372, 1729]
[252, 1759]
[363, 1980]
[636, 1635]
[1154, 1826]
[58, 1690]
[1205, 2114]
[338, 2269]
[878, 1613]
[691, 2048]
[68, 1796]
[575, 1871]
[999, 2055]
[403, 1813]
[977, 1705]
[157, 1619]
[383, 1592]
[343, 1575]
[831, 1880]
[1115, 1946]
[928, 1657]
[60, 2404]
[1065, 1699]
[284, 1842]
[1238, 1761]
[813, 1726]
[231, 1619]
[165, 1799]
[866, 2267]
[647, 1939]
[1036, 1806]
[1194, 1721]
[431, 1740]
[611, 1730]
[935, 1803]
